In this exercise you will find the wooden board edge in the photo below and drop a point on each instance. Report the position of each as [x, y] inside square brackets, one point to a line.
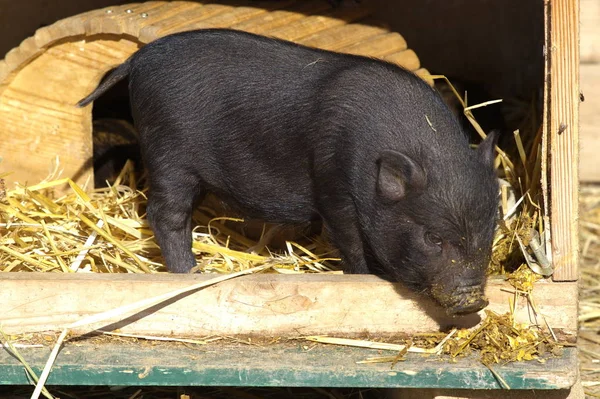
[289, 364]
[563, 134]
[287, 305]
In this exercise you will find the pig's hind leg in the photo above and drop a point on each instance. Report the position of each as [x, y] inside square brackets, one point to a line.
[171, 201]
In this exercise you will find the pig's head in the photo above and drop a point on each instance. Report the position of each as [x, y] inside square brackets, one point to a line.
[435, 222]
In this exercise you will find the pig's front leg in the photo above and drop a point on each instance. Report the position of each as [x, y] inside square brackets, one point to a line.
[170, 207]
[339, 218]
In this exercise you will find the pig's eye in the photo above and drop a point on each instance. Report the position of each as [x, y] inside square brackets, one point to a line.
[433, 239]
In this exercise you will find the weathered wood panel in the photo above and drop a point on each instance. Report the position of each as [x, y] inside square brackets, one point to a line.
[563, 135]
[267, 304]
[287, 364]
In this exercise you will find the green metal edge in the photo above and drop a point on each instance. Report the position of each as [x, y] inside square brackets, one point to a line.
[276, 366]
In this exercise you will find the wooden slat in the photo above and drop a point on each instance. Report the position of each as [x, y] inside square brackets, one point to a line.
[184, 15]
[262, 24]
[377, 46]
[161, 14]
[126, 19]
[425, 75]
[564, 137]
[39, 118]
[236, 15]
[407, 59]
[268, 304]
[343, 36]
[286, 363]
[4, 69]
[310, 25]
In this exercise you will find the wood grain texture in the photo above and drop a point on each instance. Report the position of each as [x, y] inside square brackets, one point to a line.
[268, 304]
[564, 137]
[39, 121]
[42, 79]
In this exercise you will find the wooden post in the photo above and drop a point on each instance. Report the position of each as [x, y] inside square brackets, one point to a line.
[563, 130]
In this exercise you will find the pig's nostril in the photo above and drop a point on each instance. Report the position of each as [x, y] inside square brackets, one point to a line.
[467, 305]
[462, 299]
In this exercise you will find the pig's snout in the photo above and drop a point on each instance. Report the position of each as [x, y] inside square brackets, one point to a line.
[468, 300]
[462, 300]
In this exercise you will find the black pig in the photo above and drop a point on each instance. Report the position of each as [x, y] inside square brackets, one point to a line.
[288, 133]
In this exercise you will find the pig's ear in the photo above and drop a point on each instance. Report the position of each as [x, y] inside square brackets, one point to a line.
[398, 174]
[486, 149]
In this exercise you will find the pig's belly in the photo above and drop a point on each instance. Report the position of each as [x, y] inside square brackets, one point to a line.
[282, 210]
[274, 201]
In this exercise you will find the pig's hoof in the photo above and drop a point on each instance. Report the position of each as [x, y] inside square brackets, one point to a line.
[195, 269]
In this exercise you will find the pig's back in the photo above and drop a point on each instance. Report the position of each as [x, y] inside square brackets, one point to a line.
[238, 111]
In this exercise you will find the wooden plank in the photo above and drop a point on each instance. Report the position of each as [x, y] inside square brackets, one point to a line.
[262, 24]
[590, 123]
[312, 24]
[378, 46]
[341, 36]
[564, 137]
[291, 363]
[183, 20]
[221, 19]
[407, 59]
[266, 304]
[126, 19]
[39, 118]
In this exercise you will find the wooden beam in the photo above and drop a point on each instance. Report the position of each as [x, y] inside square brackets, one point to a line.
[564, 137]
[266, 304]
[296, 363]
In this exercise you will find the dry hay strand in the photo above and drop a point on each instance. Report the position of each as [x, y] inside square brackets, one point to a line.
[589, 298]
[498, 339]
[522, 234]
[105, 230]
